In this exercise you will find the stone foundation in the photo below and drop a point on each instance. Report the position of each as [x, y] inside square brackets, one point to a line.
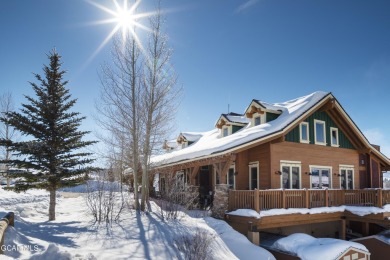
[220, 201]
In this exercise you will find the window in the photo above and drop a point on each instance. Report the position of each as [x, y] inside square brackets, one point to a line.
[253, 176]
[225, 131]
[304, 132]
[291, 175]
[257, 120]
[334, 137]
[346, 177]
[319, 132]
[231, 178]
[180, 180]
[320, 177]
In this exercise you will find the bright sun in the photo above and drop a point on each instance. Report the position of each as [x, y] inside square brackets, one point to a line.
[124, 18]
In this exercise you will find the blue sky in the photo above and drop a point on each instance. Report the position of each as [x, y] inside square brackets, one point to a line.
[225, 52]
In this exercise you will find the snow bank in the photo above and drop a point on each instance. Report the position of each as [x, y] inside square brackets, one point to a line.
[237, 242]
[52, 252]
[307, 247]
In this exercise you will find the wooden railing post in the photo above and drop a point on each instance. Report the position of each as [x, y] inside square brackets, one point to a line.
[379, 197]
[283, 199]
[256, 200]
[326, 197]
[307, 199]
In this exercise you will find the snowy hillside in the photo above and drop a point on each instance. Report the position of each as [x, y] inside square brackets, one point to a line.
[136, 236]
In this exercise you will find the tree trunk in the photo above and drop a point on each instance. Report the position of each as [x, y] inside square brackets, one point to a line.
[52, 206]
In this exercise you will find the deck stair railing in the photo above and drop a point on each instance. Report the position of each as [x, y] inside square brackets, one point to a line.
[305, 198]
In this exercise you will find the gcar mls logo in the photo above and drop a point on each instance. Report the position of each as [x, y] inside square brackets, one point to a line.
[13, 248]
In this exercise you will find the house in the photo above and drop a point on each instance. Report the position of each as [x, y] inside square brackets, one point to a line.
[309, 148]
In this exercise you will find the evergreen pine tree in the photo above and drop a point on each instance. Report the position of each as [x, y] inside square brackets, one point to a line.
[52, 149]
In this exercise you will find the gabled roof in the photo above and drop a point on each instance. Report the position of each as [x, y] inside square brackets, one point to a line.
[292, 113]
[257, 106]
[189, 136]
[233, 118]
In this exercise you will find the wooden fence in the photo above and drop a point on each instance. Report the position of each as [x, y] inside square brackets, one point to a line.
[306, 198]
[7, 220]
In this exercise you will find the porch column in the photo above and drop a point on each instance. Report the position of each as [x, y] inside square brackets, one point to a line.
[342, 229]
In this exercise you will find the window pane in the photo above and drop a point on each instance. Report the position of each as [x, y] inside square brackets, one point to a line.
[343, 179]
[231, 178]
[295, 177]
[324, 180]
[304, 132]
[315, 178]
[257, 120]
[349, 178]
[320, 133]
[254, 178]
[225, 132]
[286, 177]
[334, 137]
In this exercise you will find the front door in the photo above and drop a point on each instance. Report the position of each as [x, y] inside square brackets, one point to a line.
[320, 178]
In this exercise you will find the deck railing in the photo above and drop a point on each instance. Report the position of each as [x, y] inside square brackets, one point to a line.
[306, 198]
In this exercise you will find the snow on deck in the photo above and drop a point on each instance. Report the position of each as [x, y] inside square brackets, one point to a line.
[357, 210]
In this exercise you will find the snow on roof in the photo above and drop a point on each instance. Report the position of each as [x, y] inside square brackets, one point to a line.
[192, 136]
[209, 142]
[172, 143]
[307, 247]
[236, 118]
[267, 105]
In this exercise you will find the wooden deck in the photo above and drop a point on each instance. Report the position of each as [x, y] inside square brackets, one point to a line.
[306, 198]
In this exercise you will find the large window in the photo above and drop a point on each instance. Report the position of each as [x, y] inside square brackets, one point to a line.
[346, 177]
[291, 175]
[334, 137]
[253, 176]
[319, 132]
[304, 132]
[231, 178]
[320, 177]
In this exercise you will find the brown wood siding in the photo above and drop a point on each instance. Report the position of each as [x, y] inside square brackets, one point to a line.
[312, 155]
[375, 174]
[259, 154]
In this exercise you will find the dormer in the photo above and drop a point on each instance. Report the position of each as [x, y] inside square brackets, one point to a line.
[170, 145]
[259, 112]
[231, 123]
[187, 138]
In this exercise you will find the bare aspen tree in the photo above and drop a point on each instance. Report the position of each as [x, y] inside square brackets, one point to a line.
[138, 100]
[6, 131]
[160, 97]
[118, 106]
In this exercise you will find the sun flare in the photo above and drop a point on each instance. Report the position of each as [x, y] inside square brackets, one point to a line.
[124, 17]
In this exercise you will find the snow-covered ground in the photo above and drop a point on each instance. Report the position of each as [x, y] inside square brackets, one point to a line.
[137, 236]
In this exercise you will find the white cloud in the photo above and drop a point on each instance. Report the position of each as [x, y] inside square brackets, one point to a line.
[376, 136]
[246, 5]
